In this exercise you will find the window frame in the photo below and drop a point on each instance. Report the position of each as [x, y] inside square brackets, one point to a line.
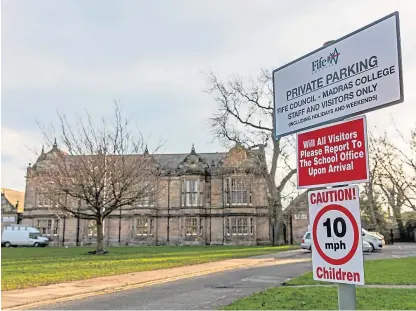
[147, 200]
[45, 226]
[191, 226]
[148, 224]
[300, 216]
[240, 226]
[235, 196]
[92, 228]
[192, 192]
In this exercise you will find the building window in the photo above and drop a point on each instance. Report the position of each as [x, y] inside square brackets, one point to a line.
[237, 191]
[92, 228]
[43, 200]
[191, 193]
[251, 226]
[144, 226]
[201, 226]
[56, 227]
[146, 200]
[302, 216]
[239, 226]
[44, 226]
[191, 226]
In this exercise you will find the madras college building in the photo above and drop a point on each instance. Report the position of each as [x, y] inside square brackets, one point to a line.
[205, 199]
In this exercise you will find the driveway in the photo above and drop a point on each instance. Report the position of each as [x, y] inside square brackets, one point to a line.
[210, 291]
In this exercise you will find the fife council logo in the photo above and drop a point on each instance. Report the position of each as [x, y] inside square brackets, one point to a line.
[324, 62]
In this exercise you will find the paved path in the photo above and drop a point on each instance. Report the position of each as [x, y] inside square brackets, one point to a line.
[213, 290]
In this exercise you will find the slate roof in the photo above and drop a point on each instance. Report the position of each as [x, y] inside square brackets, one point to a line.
[171, 161]
[166, 161]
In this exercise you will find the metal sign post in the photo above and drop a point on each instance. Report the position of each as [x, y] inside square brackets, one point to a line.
[346, 297]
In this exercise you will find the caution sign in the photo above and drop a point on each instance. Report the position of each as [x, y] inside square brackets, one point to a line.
[337, 254]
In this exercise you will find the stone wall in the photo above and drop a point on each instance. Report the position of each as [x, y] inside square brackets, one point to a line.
[168, 216]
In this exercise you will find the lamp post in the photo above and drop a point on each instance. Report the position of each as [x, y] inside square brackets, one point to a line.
[119, 227]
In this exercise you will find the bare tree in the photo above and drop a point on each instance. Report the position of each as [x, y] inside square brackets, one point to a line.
[408, 157]
[245, 116]
[397, 168]
[392, 177]
[100, 169]
[370, 203]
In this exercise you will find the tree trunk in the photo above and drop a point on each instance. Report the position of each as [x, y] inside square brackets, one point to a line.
[398, 217]
[370, 198]
[278, 238]
[100, 236]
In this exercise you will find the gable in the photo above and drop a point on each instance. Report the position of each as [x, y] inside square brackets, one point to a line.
[6, 206]
[13, 196]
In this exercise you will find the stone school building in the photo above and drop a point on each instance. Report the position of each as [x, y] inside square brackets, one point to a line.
[206, 199]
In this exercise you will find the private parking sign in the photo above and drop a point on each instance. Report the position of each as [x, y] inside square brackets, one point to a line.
[336, 235]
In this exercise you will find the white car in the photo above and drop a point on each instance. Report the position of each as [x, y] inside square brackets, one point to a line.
[307, 243]
[380, 236]
[367, 247]
[375, 241]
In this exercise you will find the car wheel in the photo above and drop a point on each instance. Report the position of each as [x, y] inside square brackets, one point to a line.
[36, 244]
[7, 244]
[372, 247]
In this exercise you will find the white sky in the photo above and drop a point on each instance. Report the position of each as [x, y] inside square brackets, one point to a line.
[68, 55]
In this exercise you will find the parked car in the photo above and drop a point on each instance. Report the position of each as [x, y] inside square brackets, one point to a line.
[367, 247]
[379, 235]
[22, 235]
[375, 241]
[306, 241]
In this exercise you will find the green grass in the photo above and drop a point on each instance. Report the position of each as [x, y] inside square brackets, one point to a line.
[318, 298]
[389, 271]
[400, 271]
[28, 267]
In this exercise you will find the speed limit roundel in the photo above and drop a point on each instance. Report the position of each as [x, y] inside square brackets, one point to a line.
[328, 232]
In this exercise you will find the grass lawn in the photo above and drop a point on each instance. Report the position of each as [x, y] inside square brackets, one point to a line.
[390, 271]
[28, 267]
[400, 271]
[318, 298]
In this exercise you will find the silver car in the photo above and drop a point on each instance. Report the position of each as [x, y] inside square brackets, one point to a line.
[306, 241]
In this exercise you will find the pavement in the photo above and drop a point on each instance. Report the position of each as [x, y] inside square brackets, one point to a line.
[206, 286]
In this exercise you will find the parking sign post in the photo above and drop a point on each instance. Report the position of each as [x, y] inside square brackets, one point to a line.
[345, 78]
[346, 297]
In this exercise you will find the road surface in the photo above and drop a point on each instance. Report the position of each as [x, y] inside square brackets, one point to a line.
[210, 291]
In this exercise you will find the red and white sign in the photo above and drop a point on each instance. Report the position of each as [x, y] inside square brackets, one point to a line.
[337, 253]
[333, 155]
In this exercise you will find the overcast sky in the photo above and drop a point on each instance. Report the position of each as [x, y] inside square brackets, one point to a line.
[151, 55]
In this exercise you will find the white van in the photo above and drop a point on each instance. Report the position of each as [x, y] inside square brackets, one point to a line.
[22, 235]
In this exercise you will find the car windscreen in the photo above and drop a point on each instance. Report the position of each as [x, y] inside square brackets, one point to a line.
[308, 235]
[34, 235]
